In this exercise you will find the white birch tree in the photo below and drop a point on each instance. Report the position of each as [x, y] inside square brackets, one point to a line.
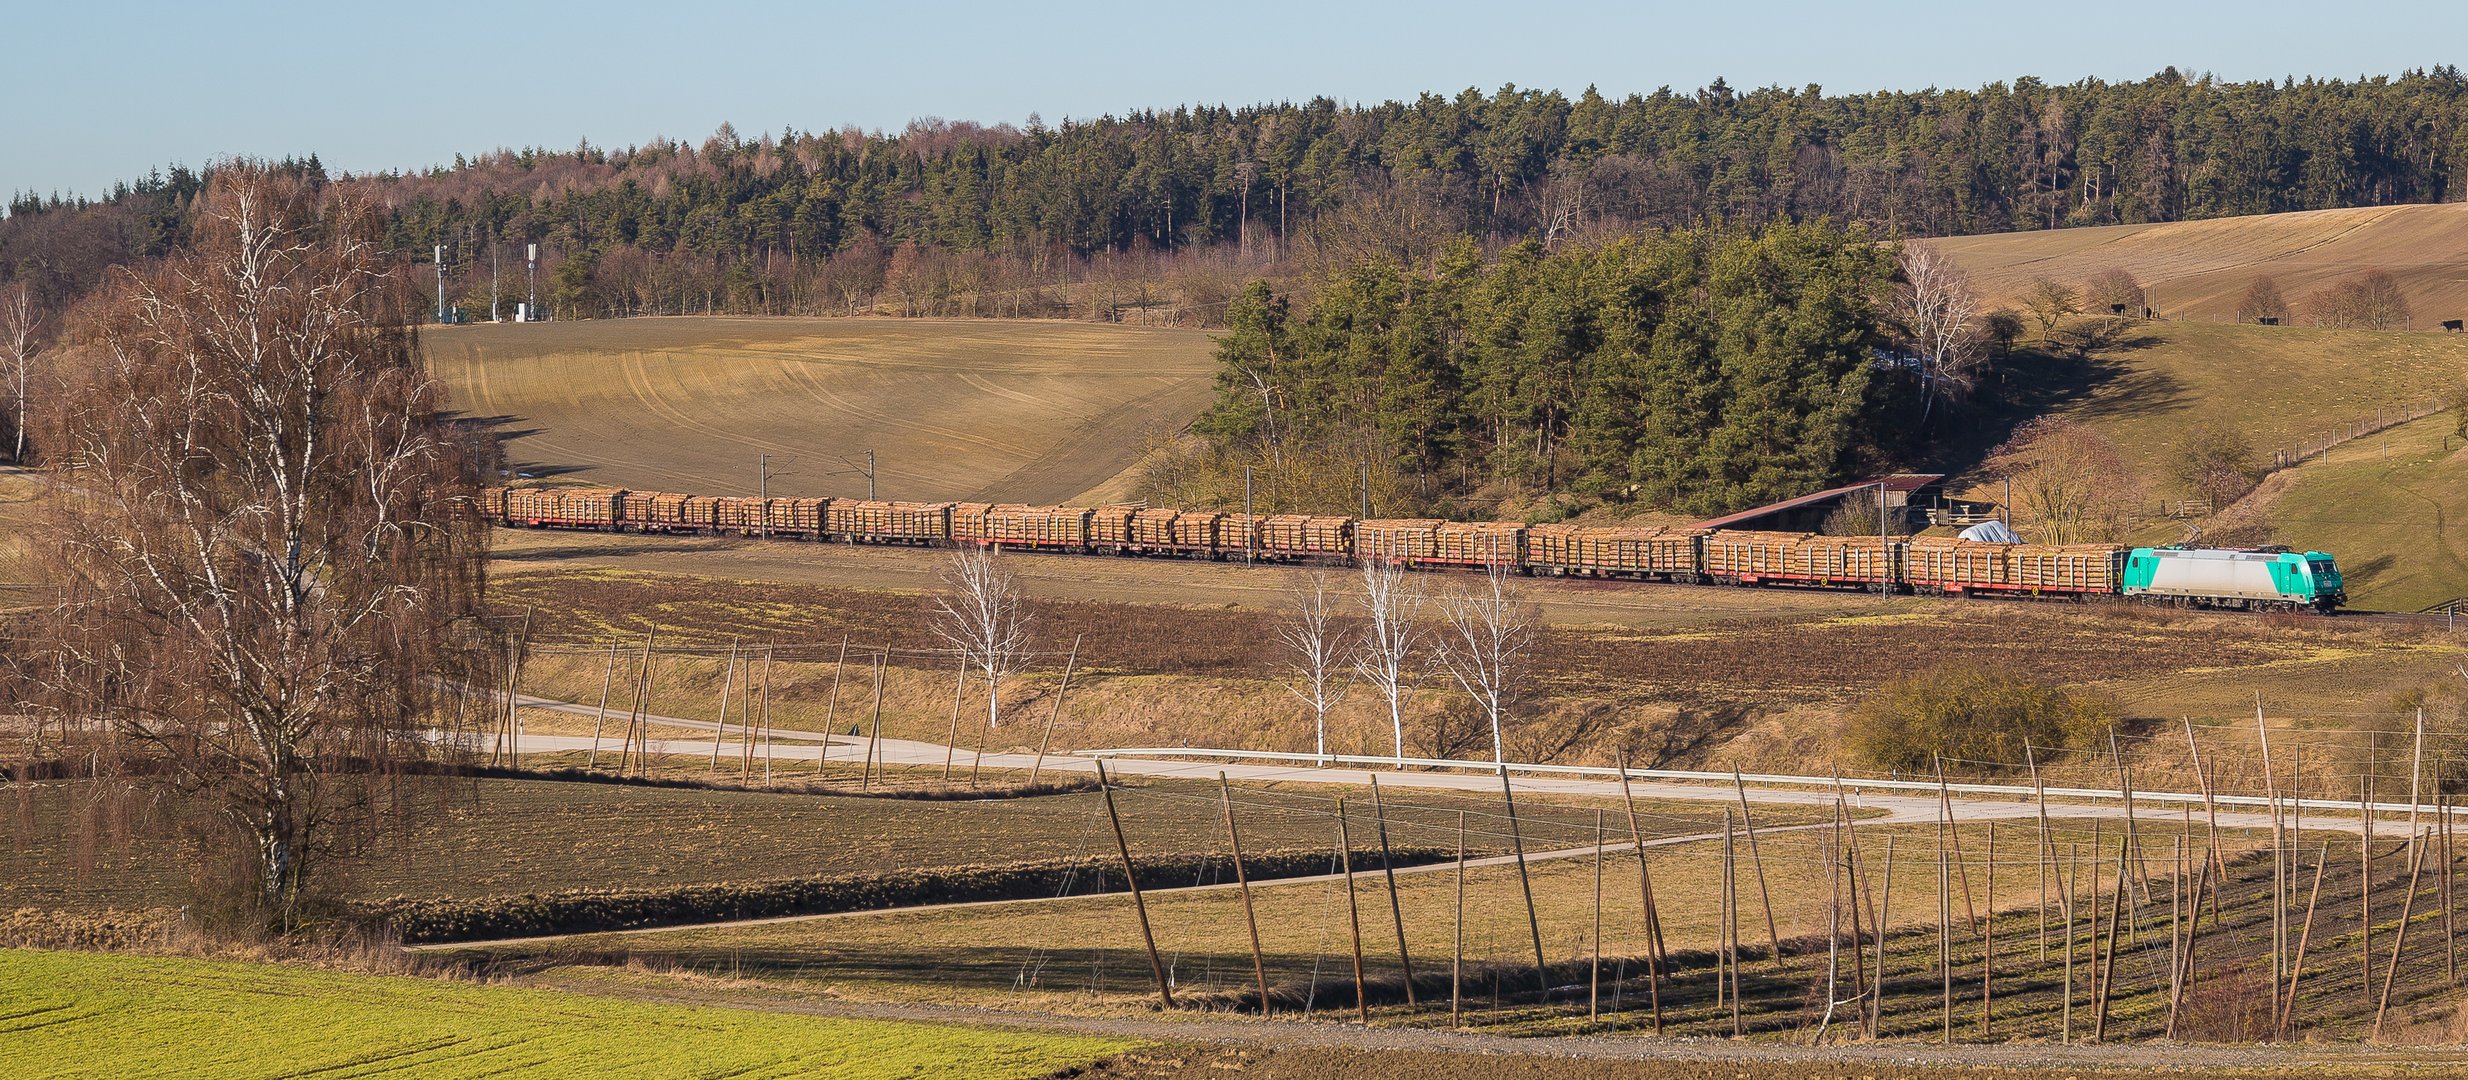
[1317, 647]
[20, 330]
[1384, 656]
[1485, 647]
[1937, 310]
[979, 610]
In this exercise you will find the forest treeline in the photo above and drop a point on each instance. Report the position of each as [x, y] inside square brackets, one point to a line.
[1698, 370]
[1151, 213]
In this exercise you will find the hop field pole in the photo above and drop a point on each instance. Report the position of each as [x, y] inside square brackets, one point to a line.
[1945, 940]
[1885, 910]
[2365, 884]
[951, 741]
[2108, 966]
[1731, 917]
[1593, 985]
[1354, 916]
[1988, 937]
[728, 681]
[2450, 948]
[607, 677]
[1047, 740]
[874, 741]
[1525, 882]
[2133, 831]
[1756, 861]
[1396, 911]
[2296, 967]
[2039, 794]
[2071, 873]
[1242, 879]
[1953, 833]
[831, 707]
[1654, 956]
[1456, 958]
[2279, 853]
[2176, 945]
[1139, 904]
[2399, 940]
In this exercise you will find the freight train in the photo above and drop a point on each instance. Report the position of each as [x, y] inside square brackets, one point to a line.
[2249, 580]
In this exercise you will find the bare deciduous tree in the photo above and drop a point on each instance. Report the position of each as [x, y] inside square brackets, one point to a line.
[1317, 647]
[1490, 632]
[981, 612]
[2071, 484]
[1937, 308]
[2049, 302]
[21, 328]
[1384, 656]
[269, 571]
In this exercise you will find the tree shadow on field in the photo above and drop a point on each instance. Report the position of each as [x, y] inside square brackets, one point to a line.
[1691, 733]
[2092, 377]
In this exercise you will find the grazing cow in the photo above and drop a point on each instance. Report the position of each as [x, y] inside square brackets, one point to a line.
[2268, 320]
[2451, 325]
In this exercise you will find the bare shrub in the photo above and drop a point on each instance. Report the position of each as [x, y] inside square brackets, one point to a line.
[2214, 462]
[2372, 300]
[2262, 300]
[2114, 291]
[1975, 714]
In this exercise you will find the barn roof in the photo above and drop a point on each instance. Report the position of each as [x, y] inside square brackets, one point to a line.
[1901, 482]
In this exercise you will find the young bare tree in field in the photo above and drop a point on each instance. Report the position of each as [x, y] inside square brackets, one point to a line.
[269, 572]
[979, 610]
[1316, 646]
[21, 327]
[1937, 308]
[1485, 648]
[1384, 655]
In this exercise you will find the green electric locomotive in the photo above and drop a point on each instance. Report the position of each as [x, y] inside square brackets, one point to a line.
[2252, 580]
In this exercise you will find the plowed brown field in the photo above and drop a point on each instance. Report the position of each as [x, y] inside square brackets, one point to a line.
[953, 409]
[2199, 269]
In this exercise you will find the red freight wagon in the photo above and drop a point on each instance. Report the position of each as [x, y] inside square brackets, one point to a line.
[738, 514]
[1751, 558]
[1193, 532]
[584, 507]
[801, 518]
[871, 522]
[1938, 564]
[1305, 536]
[1405, 540]
[1635, 551]
[1479, 543]
[968, 522]
[1109, 527]
[1043, 527]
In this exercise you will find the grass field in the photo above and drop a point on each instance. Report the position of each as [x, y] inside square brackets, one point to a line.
[89, 1015]
[953, 409]
[2394, 507]
[2201, 268]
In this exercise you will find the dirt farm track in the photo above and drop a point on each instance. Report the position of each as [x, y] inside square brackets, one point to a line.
[954, 409]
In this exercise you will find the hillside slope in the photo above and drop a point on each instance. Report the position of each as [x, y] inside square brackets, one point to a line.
[953, 409]
[2199, 269]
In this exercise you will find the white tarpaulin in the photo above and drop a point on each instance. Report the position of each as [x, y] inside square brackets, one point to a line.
[1991, 532]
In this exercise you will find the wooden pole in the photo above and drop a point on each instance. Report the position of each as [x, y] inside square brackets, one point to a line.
[1242, 879]
[2176, 943]
[2071, 872]
[2133, 833]
[636, 733]
[2416, 772]
[2450, 950]
[1396, 912]
[1645, 896]
[1731, 917]
[1047, 740]
[874, 741]
[1456, 957]
[951, 742]
[1593, 983]
[2365, 885]
[2399, 940]
[1756, 862]
[1885, 910]
[1945, 939]
[728, 682]
[2305, 934]
[606, 677]
[1953, 834]
[2279, 853]
[1353, 914]
[2108, 966]
[1131, 881]
[831, 709]
[765, 715]
[1533, 922]
[1988, 936]
[2183, 976]
[2039, 794]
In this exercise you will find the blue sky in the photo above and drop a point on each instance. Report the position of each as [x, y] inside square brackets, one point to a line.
[97, 91]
